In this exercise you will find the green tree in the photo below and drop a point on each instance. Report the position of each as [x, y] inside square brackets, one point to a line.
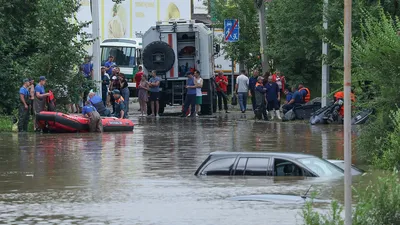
[246, 50]
[295, 40]
[40, 40]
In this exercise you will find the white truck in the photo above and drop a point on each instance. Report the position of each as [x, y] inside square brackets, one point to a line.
[173, 48]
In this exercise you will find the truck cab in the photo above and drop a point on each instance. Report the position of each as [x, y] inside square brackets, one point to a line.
[172, 48]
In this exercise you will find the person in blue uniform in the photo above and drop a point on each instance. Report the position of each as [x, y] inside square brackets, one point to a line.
[288, 95]
[297, 99]
[24, 107]
[109, 65]
[273, 98]
[87, 69]
[95, 123]
[97, 102]
[39, 101]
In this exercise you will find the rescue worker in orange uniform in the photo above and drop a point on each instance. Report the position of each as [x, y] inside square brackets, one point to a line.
[340, 96]
[305, 92]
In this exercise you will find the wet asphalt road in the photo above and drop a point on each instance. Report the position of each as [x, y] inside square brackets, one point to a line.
[146, 176]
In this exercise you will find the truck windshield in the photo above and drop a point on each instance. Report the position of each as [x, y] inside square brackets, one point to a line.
[123, 56]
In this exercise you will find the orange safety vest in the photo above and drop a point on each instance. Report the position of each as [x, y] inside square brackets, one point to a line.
[119, 100]
[307, 98]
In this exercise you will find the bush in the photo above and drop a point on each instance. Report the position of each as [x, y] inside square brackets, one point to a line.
[34, 45]
[379, 203]
[312, 217]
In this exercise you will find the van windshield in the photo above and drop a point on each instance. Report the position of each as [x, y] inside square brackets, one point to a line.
[123, 56]
[321, 167]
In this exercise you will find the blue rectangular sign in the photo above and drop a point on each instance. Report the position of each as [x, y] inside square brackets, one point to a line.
[231, 30]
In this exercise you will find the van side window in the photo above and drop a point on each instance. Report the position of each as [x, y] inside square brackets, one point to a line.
[241, 166]
[257, 167]
[286, 168]
[219, 167]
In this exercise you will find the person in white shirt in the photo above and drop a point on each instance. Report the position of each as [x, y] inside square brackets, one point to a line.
[198, 82]
[242, 89]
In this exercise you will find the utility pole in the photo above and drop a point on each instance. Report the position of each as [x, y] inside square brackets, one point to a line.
[325, 67]
[347, 112]
[260, 5]
[96, 44]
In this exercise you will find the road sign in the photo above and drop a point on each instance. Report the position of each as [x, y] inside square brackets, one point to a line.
[231, 30]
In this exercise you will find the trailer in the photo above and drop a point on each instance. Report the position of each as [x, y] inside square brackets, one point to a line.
[174, 47]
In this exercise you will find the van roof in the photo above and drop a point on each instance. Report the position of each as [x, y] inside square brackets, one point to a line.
[270, 154]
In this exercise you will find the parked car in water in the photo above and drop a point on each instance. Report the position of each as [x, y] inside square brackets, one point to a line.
[354, 169]
[267, 164]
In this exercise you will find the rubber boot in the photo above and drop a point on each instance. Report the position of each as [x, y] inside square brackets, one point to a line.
[272, 114]
[278, 114]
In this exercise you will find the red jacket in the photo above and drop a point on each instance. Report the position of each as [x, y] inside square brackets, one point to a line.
[222, 85]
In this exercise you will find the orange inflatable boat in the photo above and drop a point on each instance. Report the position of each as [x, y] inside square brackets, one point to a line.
[64, 123]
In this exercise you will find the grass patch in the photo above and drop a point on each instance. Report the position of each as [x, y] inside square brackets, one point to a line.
[6, 123]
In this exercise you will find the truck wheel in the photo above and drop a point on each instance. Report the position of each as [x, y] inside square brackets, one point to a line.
[158, 56]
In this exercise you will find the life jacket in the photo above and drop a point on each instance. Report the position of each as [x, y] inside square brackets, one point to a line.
[307, 98]
[51, 102]
[119, 100]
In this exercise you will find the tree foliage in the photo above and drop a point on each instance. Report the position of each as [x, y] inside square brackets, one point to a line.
[295, 39]
[40, 40]
[376, 59]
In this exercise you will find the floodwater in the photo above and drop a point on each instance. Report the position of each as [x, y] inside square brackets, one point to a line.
[146, 176]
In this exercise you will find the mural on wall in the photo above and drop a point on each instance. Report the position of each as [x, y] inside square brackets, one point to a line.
[132, 18]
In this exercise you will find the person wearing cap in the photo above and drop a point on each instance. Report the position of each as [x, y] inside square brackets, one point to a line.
[105, 82]
[95, 123]
[109, 65]
[154, 84]
[190, 99]
[39, 102]
[260, 97]
[119, 105]
[97, 102]
[222, 84]
[23, 112]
